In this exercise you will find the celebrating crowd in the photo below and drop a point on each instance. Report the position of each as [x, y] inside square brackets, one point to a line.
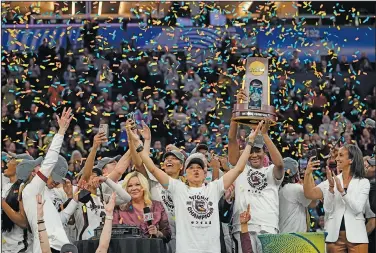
[43, 211]
[210, 186]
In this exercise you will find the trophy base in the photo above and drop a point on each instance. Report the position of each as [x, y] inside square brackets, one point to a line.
[253, 117]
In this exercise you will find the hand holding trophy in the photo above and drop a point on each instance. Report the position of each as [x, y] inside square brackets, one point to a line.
[253, 102]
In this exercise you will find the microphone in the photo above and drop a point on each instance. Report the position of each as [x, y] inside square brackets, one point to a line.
[148, 216]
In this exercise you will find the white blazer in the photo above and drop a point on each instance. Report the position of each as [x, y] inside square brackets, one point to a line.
[351, 206]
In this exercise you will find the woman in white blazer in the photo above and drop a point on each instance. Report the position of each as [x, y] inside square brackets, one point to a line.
[345, 197]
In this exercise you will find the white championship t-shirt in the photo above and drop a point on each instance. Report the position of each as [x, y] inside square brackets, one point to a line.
[259, 188]
[197, 216]
[293, 209]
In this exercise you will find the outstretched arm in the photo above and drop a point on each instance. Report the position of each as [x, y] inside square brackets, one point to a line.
[38, 183]
[310, 190]
[231, 175]
[104, 241]
[233, 145]
[121, 167]
[275, 155]
[99, 138]
[160, 175]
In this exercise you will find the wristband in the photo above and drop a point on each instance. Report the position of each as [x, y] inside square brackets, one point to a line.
[230, 165]
[109, 217]
[41, 230]
[331, 186]
[250, 143]
[139, 148]
[40, 222]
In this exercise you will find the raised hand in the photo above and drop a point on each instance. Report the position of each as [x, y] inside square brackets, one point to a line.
[64, 120]
[223, 160]
[131, 134]
[99, 138]
[229, 192]
[109, 207]
[171, 147]
[329, 176]
[82, 184]
[265, 127]
[97, 181]
[241, 97]
[312, 165]
[145, 132]
[214, 162]
[130, 123]
[252, 136]
[246, 215]
[338, 183]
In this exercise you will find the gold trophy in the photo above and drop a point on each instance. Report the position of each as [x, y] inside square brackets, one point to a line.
[257, 89]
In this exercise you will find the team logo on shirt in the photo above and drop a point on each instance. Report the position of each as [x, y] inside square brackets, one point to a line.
[200, 207]
[57, 202]
[257, 180]
[167, 200]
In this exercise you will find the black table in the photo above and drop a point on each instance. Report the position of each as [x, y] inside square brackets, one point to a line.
[125, 245]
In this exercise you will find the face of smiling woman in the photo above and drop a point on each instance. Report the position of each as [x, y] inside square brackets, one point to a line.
[172, 166]
[134, 188]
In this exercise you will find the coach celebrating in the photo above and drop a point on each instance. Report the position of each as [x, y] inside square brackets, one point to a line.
[196, 203]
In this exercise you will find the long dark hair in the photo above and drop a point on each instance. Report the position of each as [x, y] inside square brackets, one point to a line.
[12, 201]
[357, 165]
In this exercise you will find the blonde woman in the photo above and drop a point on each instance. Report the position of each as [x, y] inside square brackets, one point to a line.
[132, 213]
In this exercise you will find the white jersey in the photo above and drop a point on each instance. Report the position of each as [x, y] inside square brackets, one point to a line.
[259, 188]
[54, 226]
[197, 223]
[293, 209]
